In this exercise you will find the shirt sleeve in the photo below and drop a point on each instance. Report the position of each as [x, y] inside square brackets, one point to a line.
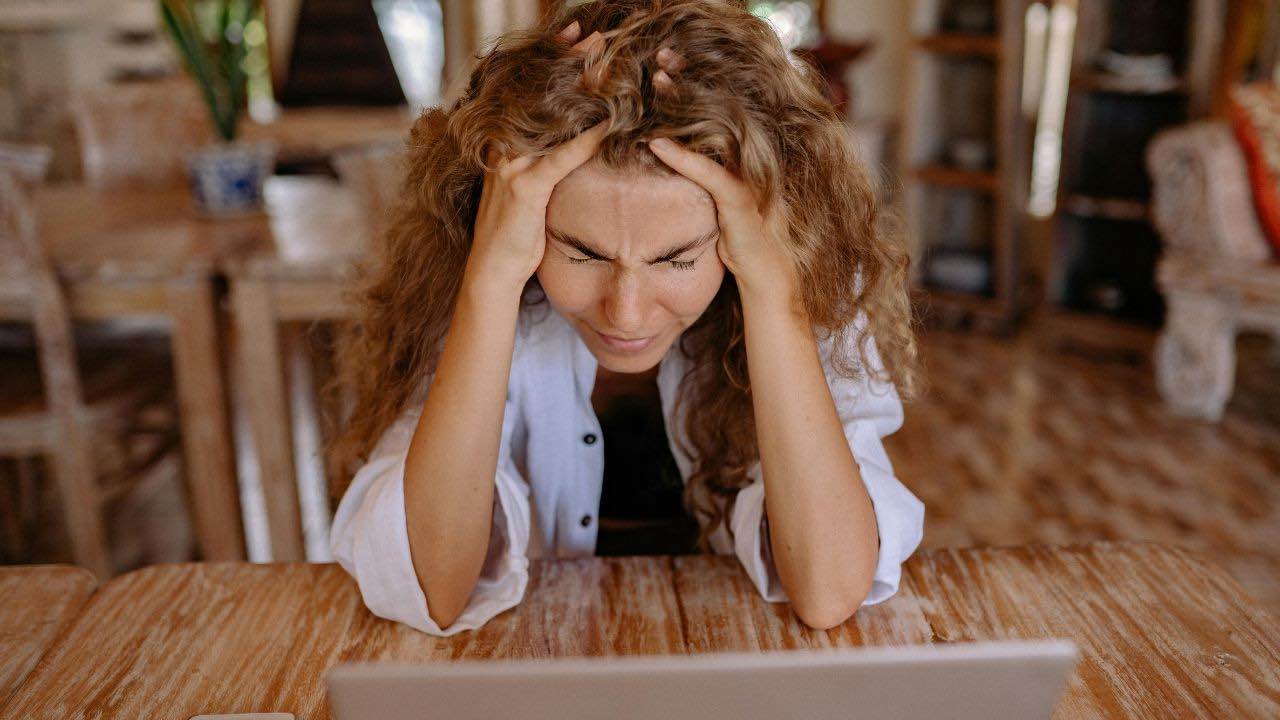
[869, 410]
[370, 537]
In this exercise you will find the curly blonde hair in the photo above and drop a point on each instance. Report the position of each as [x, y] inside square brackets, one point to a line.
[741, 100]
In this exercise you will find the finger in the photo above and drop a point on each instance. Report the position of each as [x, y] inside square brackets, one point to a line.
[725, 188]
[571, 32]
[499, 159]
[566, 158]
[590, 45]
[593, 46]
[518, 164]
[495, 157]
[670, 60]
[662, 81]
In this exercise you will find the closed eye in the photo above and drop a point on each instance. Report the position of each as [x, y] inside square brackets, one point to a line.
[587, 253]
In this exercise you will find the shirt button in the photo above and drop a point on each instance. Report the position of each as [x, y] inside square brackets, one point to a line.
[586, 520]
[589, 439]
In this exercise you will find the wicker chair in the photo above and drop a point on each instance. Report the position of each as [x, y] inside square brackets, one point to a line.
[103, 420]
[1217, 272]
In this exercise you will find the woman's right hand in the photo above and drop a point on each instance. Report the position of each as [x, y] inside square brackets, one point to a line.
[510, 229]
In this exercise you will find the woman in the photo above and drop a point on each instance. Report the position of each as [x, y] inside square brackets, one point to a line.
[635, 299]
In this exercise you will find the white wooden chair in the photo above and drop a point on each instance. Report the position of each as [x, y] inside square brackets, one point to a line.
[102, 421]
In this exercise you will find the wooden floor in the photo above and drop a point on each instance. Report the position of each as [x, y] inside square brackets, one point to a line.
[1016, 444]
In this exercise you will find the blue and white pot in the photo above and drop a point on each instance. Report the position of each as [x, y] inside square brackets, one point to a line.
[226, 179]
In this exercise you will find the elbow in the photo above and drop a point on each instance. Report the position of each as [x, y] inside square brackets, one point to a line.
[830, 606]
[443, 620]
[446, 595]
[444, 614]
[827, 614]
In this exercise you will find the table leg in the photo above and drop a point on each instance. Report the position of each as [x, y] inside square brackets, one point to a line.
[206, 440]
[261, 373]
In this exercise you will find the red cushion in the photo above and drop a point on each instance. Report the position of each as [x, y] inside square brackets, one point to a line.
[1255, 115]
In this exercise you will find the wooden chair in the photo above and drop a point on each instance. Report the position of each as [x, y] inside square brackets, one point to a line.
[139, 133]
[102, 421]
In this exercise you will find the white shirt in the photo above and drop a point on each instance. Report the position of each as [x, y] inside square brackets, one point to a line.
[549, 478]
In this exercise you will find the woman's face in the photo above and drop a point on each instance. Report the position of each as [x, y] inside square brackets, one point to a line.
[630, 256]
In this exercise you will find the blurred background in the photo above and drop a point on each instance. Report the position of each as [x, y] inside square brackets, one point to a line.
[1089, 187]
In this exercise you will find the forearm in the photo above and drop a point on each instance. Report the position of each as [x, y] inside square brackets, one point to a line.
[452, 458]
[822, 525]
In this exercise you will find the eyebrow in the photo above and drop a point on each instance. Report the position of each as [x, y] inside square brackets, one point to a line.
[595, 253]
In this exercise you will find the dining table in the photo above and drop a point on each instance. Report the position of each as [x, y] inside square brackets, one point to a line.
[36, 603]
[222, 288]
[306, 276]
[145, 256]
[1161, 631]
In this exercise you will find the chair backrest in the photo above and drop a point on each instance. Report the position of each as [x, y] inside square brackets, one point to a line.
[375, 173]
[22, 167]
[139, 133]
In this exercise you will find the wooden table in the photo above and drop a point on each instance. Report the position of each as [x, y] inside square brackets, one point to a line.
[304, 276]
[145, 254]
[1162, 634]
[36, 603]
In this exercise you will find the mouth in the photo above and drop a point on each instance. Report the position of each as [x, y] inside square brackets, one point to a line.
[626, 345]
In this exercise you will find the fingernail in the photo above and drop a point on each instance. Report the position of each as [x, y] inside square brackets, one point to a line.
[661, 143]
[571, 29]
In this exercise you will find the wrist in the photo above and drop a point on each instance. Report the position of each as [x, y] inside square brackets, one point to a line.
[768, 295]
[491, 282]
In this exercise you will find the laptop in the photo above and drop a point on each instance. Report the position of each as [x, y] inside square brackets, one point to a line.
[966, 681]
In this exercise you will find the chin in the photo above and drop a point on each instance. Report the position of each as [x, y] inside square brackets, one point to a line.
[630, 364]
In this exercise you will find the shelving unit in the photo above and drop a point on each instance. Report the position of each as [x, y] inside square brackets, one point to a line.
[963, 156]
[1102, 248]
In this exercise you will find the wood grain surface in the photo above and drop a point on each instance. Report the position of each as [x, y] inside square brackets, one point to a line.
[36, 603]
[1162, 634]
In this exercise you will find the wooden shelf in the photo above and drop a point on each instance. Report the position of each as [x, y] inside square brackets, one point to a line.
[948, 176]
[1103, 82]
[989, 107]
[960, 44]
[969, 303]
[1105, 208]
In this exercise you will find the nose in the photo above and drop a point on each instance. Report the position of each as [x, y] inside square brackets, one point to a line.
[624, 304]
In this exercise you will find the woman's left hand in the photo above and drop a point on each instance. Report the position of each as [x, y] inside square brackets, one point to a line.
[753, 241]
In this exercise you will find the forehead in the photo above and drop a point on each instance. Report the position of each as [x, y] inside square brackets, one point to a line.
[600, 202]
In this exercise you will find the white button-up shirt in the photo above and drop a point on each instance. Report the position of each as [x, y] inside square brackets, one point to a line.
[550, 473]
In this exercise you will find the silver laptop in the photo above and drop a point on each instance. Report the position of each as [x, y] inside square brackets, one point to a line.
[977, 681]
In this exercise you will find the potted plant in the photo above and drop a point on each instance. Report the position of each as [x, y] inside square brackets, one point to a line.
[226, 177]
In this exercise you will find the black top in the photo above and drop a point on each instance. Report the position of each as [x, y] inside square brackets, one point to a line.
[641, 510]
